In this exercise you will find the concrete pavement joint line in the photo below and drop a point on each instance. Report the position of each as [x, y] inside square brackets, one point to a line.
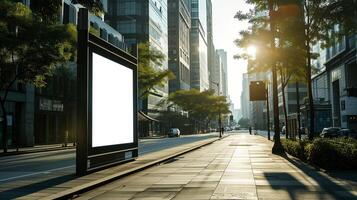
[251, 168]
[223, 170]
[36, 173]
[105, 180]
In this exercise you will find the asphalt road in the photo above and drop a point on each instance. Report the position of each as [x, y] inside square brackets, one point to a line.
[27, 166]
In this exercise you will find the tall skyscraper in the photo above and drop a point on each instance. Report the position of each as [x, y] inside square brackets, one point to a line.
[198, 45]
[223, 55]
[245, 104]
[143, 21]
[215, 75]
[211, 52]
[179, 18]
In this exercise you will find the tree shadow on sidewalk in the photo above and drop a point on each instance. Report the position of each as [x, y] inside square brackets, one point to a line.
[285, 182]
[350, 176]
[335, 190]
[34, 187]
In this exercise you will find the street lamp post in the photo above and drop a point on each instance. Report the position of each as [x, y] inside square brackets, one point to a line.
[219, 115]
[268, 113]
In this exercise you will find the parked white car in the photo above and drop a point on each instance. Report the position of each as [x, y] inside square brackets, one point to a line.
[174, 132]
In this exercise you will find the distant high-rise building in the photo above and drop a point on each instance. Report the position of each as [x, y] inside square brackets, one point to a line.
[211, 52]
[179, 24]
[237, 115]
[198, 45]
[245, 103]
[143, 21]
[224, 71]
[215, 75]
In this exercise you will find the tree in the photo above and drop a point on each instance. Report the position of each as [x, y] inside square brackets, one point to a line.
[94, 6]
[149, 60]
[48, 11]
[243, 122]
[263, 33]
[273, 34]
[30, 49]
[320, 18]
[203, 106]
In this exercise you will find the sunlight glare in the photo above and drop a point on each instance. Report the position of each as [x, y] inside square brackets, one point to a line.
[251, 51]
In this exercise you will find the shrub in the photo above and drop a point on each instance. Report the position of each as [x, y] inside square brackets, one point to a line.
[322, 153]
[295, 148]
[339, 153]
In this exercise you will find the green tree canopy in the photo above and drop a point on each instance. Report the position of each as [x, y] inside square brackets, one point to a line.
[243, 122]
[30, 48]
[203, 106]
[150, 76]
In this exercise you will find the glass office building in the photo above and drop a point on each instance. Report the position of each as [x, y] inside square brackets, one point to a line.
[198, 41]
[179, 18]
[142, 21]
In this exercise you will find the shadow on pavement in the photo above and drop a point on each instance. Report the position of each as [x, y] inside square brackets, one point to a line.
[34, 187]
[286, 182]
[350, 176]
[333, 189]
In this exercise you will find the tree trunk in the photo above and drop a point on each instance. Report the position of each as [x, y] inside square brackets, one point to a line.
[307, 19]
[309, 90]
[4, 126]
[277, 148]
[284, 105]
[268, 113]
[298, 109]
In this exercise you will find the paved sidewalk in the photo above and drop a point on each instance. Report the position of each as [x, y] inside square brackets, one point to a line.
[238, 167]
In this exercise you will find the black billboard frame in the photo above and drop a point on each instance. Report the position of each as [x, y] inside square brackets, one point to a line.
[88, 158]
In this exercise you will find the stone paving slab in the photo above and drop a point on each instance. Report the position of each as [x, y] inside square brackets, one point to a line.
[238, 167]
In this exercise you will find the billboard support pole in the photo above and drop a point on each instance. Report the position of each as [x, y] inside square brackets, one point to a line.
[82, 93]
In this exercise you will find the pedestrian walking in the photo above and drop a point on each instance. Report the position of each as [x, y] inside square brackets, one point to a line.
[250, 130]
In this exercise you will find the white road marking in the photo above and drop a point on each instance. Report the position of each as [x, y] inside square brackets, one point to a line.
[36, 173]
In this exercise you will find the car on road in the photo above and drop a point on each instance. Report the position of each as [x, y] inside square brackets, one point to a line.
[330, 132]
[348, 133]
[174, 132]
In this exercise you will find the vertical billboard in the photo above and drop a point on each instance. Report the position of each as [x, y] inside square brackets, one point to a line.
[257, 91]
[106, 105]
[112, 102]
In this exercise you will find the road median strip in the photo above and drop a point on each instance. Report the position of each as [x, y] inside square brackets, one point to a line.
[86, 183]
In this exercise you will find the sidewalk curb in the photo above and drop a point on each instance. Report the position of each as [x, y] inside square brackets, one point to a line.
[15, 153]
[73, 192]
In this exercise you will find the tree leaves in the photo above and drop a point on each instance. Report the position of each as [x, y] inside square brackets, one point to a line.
[31, 48]
[204, 106]
[150, 75]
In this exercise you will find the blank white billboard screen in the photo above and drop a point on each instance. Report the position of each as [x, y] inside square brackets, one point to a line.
[112, 103]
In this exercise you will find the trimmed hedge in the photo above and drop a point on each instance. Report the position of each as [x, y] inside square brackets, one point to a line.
[295, 148]
[337, 153]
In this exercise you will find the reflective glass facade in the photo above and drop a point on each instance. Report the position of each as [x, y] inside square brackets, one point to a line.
[198, 42]
[142, 21]
[179, 44]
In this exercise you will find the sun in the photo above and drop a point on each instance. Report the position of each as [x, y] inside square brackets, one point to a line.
[251, 51]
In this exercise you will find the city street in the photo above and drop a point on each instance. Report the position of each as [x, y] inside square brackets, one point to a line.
[104, 99]
[26, 166]
[240, 166]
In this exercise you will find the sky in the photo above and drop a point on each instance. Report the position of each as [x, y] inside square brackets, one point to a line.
[225, 30]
